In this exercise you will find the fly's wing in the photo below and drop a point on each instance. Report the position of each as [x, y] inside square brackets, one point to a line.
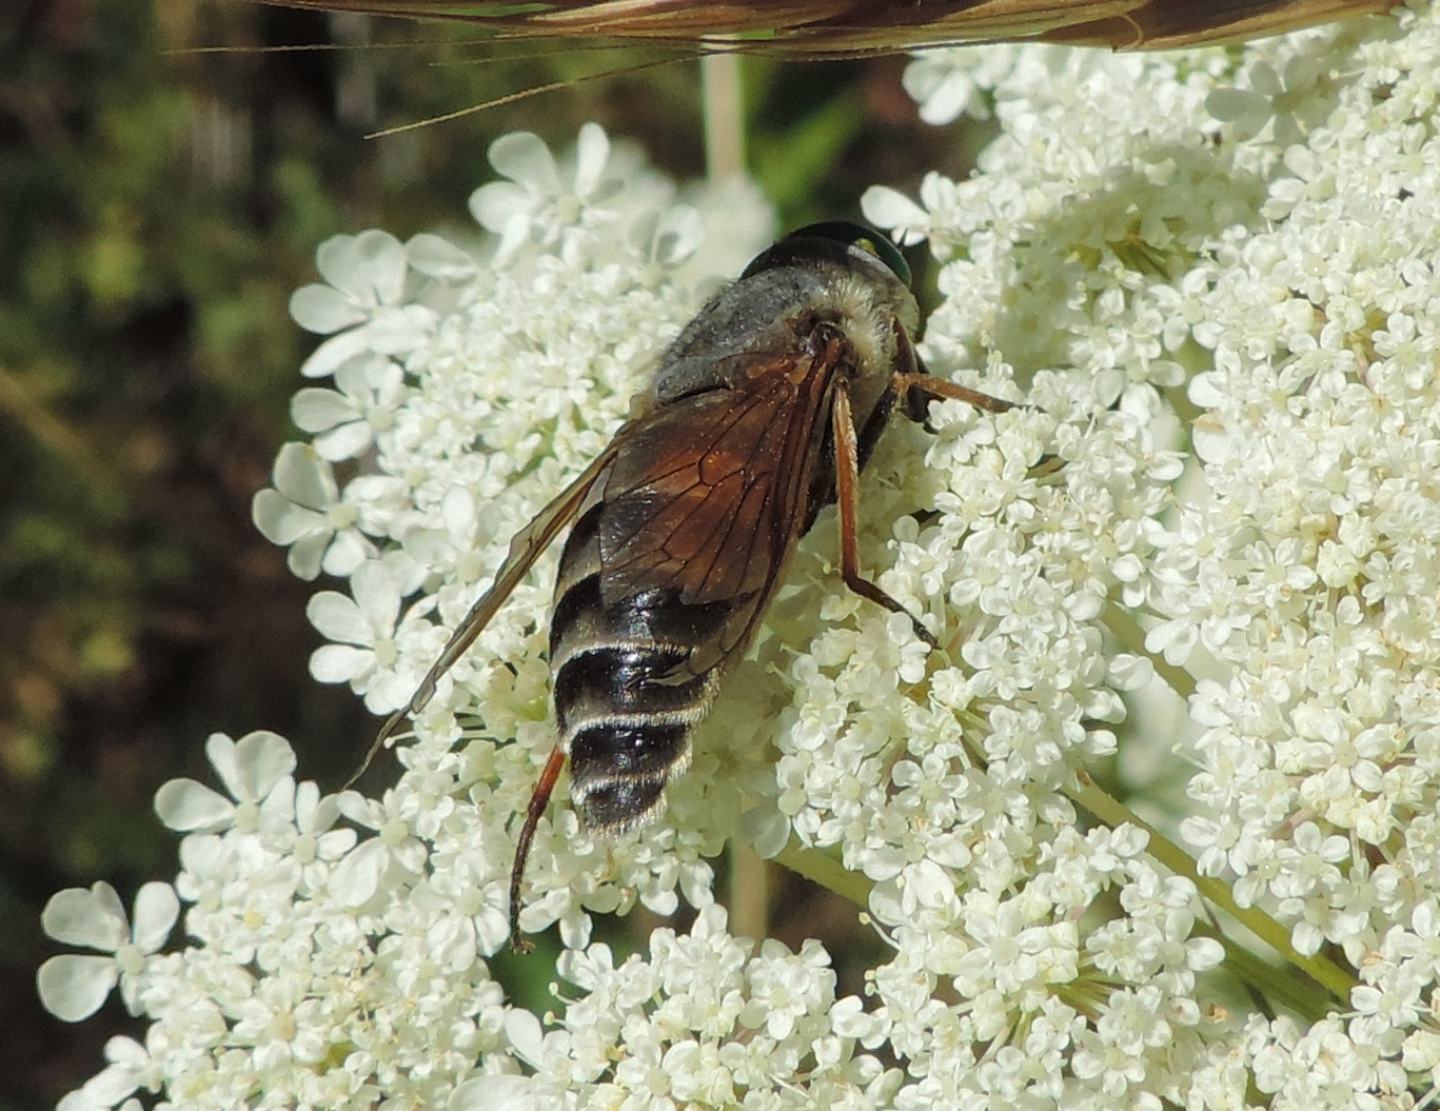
[525, 548]
[709, 494]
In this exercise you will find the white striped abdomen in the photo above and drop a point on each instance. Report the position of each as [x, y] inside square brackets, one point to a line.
[625, 726]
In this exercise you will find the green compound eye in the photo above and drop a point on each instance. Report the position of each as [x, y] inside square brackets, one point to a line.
[867, 239]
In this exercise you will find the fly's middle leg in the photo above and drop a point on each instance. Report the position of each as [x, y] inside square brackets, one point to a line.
[847, 470]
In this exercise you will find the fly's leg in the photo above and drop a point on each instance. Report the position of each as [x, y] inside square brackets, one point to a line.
[539, 799]
[847, 470]
[917, 390]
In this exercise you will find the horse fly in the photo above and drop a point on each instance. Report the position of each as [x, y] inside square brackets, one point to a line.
[763, 411]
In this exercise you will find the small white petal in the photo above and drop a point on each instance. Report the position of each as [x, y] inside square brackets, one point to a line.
[262, 759]
[399, 330]
[113, 1083]
[1128, 672]
[348, 552]
[591, 151]
[94, 918]
[681, 231]
[334, 352]
[388, 691]
[494, 1093]
[523, 156]
[338, 618]
[220, 751]
[382, 261]
[121, 1050]
[317, 410]
[1264, 79]
[886, 208]
[497, 205]
[377, 594]
[946, 101]
[1227, 105]
[156, 909]
[356, 878]
[321, 309]
[304, 478]
[458, 510]
[345, 442]
[186, 805]
[522, 1029]
[281, 521]
[305, 556]
[1212, 440]
[339, 663]
[336, 261]
[73, 988]
[439, 258]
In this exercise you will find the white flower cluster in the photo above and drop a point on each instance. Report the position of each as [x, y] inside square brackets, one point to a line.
[1212, 275]
[1247, 241]
[705, 1022]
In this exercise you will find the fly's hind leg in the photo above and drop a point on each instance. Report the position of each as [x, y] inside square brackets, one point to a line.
[847, 470]
[539, 799]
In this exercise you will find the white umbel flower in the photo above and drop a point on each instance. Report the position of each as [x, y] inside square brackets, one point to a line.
[1205, 545]
[73, 986]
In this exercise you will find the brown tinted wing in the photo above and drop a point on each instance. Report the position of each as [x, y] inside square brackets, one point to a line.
[525, 548]
[708, 495]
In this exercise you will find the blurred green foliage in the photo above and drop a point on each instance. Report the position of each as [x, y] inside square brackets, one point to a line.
[157, 207]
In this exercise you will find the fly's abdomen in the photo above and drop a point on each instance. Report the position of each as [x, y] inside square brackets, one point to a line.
[624, 703]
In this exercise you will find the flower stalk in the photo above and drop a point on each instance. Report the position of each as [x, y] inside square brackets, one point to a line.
[1088, 794]
[1131, 637]
[820, 867]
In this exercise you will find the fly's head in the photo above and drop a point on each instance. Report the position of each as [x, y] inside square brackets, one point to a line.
[858, 291]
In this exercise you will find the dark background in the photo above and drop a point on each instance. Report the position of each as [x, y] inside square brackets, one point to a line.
[157, 208]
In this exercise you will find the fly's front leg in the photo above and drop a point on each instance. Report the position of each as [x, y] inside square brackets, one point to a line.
[847, 471]
[917, 390]
[914, 389]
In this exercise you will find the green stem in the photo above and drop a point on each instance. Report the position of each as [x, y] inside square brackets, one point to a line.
[1114, 813]
[724, 116]
[749, 891]
[1300, 994]
[1131, 636]
[819, 867]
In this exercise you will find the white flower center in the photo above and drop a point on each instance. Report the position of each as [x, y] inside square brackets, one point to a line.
[130, 960]
[568, 208]
[247, 817]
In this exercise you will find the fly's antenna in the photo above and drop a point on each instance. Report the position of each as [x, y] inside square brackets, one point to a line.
[539, 799]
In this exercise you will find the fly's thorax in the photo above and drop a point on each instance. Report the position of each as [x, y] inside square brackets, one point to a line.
[772, 311]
